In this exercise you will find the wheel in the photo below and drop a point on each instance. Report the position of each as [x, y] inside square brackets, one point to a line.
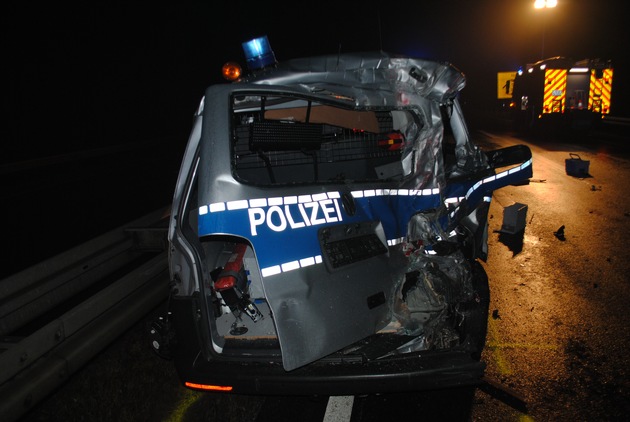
[474, 326]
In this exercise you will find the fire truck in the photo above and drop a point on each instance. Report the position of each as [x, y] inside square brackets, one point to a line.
[562, 94]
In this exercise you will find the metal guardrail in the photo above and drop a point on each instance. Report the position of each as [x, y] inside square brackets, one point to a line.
[613, 120]
[132, 264]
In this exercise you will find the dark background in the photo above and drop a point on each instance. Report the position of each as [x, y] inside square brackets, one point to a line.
[98, 99]
[92, 75]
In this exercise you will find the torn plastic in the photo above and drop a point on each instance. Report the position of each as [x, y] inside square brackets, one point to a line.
[426, 298]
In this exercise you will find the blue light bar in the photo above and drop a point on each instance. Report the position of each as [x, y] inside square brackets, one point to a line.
[258, 53]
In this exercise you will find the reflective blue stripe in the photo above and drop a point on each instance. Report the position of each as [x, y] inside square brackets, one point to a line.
[286, 232]
[283, 230]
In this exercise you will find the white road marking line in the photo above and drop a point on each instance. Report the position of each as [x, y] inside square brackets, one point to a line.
[339, 409]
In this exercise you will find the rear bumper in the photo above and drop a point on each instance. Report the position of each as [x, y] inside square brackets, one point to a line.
[335, 375]
[434, 370]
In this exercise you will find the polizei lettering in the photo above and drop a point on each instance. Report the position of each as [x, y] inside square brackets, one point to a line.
[280, 217]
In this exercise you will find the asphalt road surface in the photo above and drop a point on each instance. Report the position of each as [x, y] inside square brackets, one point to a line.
[558, 337]
[558, 331]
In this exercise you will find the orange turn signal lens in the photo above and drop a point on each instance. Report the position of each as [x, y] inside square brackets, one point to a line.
[208, 387]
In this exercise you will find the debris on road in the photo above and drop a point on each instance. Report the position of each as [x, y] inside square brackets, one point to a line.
[575, 166]
[560, 233]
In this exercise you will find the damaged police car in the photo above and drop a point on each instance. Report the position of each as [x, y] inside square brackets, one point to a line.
[327, 227]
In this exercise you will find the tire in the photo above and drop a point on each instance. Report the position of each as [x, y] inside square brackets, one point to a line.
[474, 327]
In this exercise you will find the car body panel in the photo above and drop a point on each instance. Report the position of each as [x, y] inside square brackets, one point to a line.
[334, 259]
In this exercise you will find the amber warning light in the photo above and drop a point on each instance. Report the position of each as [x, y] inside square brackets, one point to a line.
[231, 71]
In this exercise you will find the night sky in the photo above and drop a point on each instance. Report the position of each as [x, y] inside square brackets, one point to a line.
[94, 75]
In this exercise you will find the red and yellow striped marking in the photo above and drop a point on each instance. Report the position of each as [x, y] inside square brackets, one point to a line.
[600, 92]
[555, 91]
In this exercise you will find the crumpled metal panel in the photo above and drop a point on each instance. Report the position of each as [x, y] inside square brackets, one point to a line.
[371, 74]
[317, 311]
[380, 79]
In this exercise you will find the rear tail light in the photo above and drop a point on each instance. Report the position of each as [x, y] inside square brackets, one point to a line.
[392, 142]
[208, 387]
